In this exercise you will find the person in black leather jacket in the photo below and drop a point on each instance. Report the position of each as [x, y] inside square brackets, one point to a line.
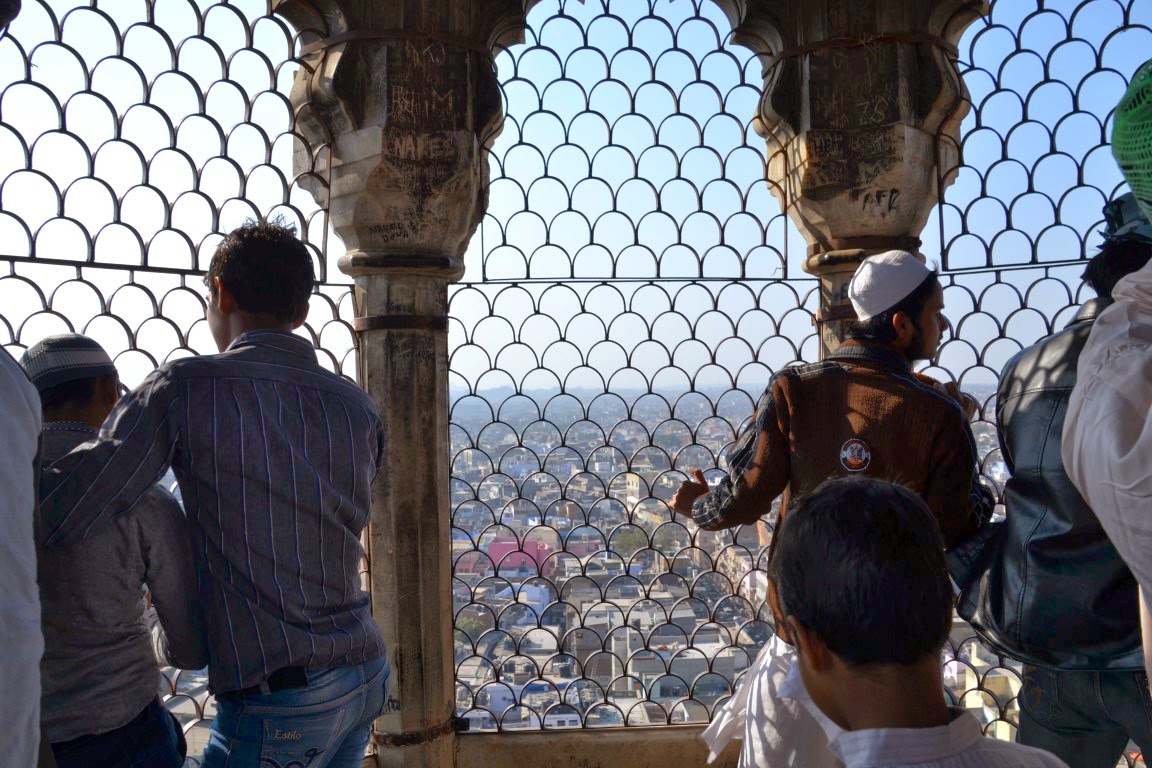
[1056, 594]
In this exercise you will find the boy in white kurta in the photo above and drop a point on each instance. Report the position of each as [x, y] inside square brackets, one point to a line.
[859, 586]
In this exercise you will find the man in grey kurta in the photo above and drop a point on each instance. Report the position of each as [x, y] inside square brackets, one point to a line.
[99, 675]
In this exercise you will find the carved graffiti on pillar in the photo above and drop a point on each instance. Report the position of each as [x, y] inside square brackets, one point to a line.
[393, 230]
[416, 173]
[414, 353]
[412, 105]
[427, 85]
[873, 99]
[849, 159]
[876, 202]
[422, 147]
[425, 183]
[422, 162]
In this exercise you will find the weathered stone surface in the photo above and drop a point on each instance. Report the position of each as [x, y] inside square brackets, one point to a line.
[407, 113]
[861, 108]
[404, 371]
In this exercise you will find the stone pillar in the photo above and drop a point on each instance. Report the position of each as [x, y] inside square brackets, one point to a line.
[406, 97]
[861, 112]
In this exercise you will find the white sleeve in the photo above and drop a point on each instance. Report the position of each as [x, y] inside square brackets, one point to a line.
[20, 598]
[1107, 447]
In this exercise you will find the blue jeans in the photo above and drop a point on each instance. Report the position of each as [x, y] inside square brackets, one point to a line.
[325, 724]
[1085, 718]
[152, 739]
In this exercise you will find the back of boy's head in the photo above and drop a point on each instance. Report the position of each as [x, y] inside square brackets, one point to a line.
[860, 563]
[267, 269]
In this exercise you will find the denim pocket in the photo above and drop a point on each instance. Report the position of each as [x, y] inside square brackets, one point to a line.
[298, 741]
[1040, 693]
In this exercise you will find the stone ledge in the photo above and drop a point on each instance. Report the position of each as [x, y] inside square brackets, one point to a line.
[637, 747]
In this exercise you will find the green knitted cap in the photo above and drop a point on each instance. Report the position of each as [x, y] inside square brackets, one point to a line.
[1132, 137]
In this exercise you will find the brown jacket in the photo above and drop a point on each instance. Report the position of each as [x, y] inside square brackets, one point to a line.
[860, 411]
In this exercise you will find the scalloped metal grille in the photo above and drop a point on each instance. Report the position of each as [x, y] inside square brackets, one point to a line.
[632, 289]
[628, 295]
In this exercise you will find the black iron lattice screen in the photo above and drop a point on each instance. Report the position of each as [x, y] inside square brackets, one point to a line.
[630, 292]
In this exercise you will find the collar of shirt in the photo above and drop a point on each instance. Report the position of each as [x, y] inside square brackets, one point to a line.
[282, 340]
[793, 688]
[59, 437]
[1090, 310]
[70, 426]
[907, 746]
[871, 354]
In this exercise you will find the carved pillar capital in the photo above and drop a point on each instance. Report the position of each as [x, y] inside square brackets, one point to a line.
[861, 107]
[406, 96]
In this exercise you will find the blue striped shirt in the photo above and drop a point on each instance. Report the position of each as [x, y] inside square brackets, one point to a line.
[275, 458]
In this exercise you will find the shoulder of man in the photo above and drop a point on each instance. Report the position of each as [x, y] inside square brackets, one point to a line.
[172, 371]
[199, 366]
[1022, 755]
[789, 381]
[835, 372]
[806, 371]
[926, 392]
[193, 365]
[1049, 362]
[356, 394]
[158, 508]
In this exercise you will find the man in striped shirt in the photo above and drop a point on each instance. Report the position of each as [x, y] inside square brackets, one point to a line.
[275, 457]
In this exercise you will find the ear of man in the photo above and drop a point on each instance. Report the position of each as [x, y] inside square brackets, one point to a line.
[108, 390]
[105, 395]
[300, 321]
[810, 646]
[905, 327]
[778, 617]
[791, 631]
[225, 301]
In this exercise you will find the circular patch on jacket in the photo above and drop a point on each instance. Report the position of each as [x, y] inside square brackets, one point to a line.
[855, 456]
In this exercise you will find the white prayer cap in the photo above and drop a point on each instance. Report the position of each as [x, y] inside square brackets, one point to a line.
[883, 281]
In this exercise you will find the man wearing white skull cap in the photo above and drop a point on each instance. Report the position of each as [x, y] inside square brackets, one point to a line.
[861, 411]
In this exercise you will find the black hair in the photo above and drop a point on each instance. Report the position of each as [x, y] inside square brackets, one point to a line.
[878, 328]
[267, 269]
[1117, 258]
[8, 11]
[78, 392]
[860, 563]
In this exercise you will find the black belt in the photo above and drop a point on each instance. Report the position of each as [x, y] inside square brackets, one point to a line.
[280, 680]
